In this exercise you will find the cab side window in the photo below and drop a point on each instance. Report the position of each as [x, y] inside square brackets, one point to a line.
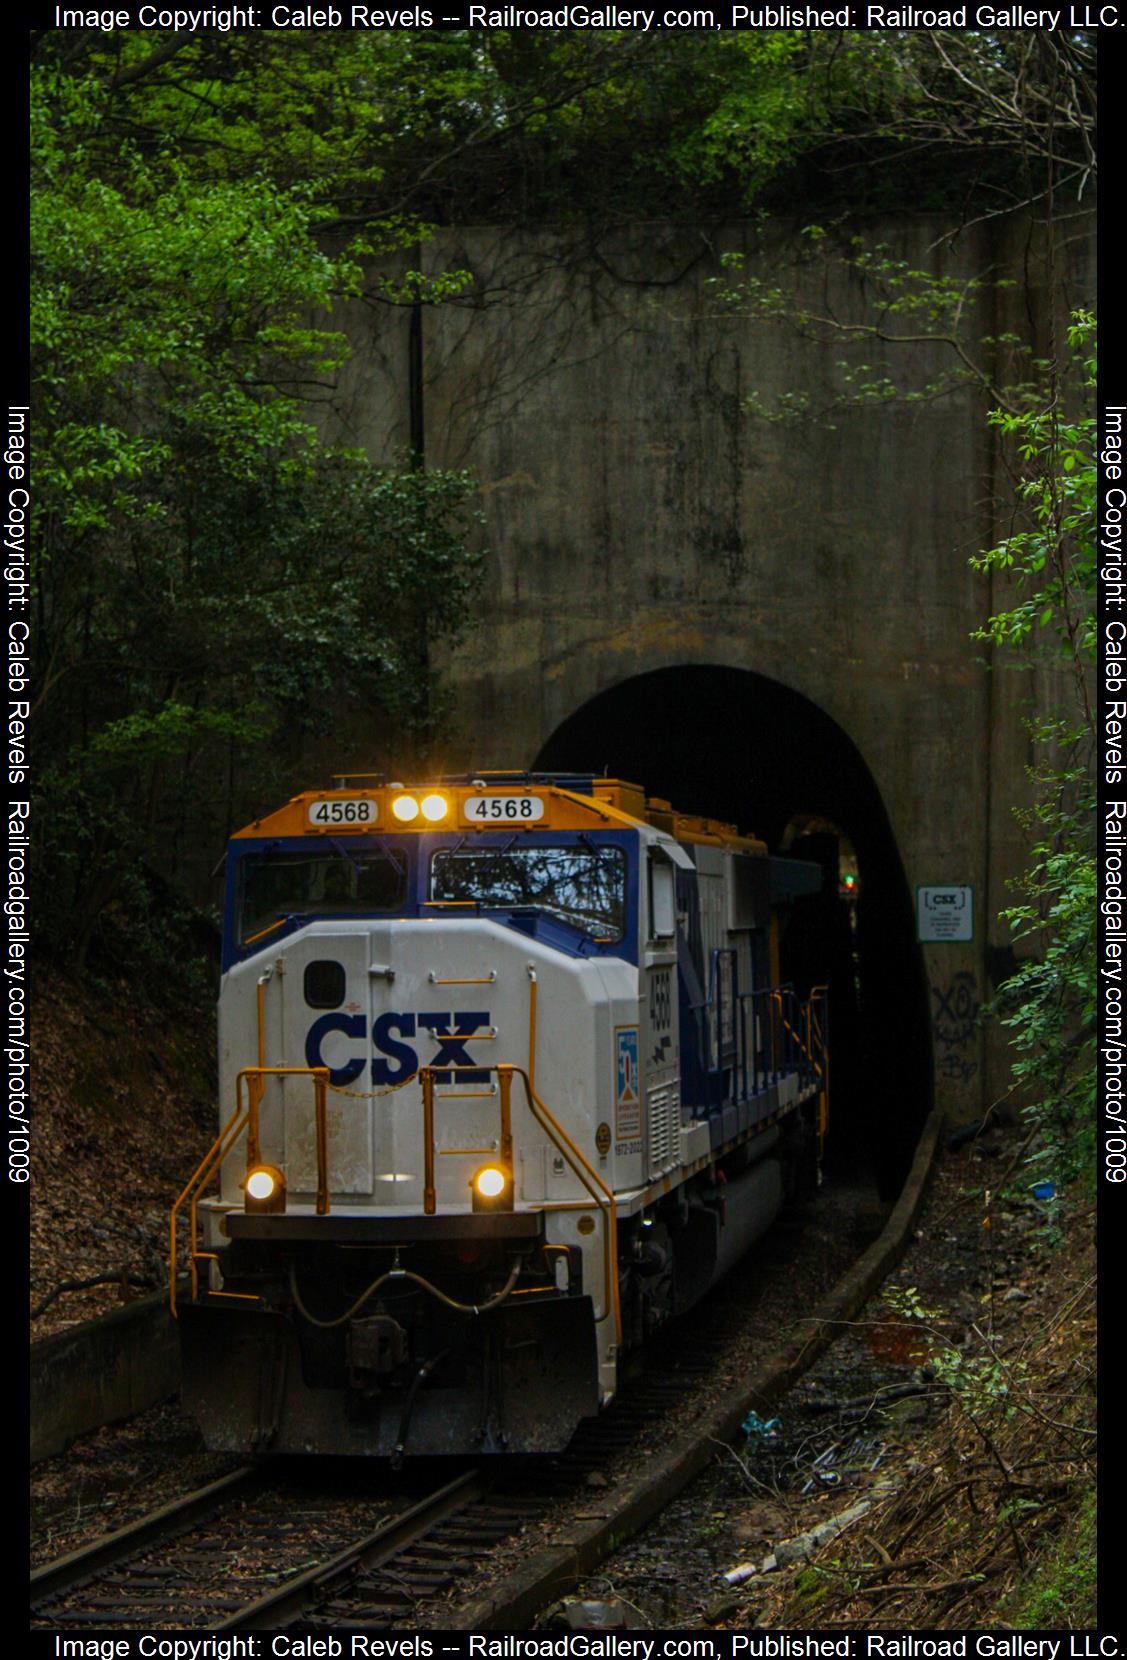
[324, 984]
[663, 904]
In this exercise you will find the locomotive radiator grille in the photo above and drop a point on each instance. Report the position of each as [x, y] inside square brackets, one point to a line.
[663, 1114]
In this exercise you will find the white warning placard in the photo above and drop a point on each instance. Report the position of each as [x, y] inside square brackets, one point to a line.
[944, 914]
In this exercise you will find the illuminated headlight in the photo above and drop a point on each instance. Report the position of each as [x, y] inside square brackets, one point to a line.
[434, 808]
[405, 808]
[492, 1188]
[265, 1189]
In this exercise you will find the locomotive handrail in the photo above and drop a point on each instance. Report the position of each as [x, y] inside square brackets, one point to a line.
[246, 1117]
[590, 1178]
[320, 1076]
[591, 1181]
[532, 986]
[243, 1118]
[793, 1032]
[202, 1174]
[819, 997]
[807, 1048]
[774, 1043]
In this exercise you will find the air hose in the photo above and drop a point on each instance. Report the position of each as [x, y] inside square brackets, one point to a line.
[402, 1274]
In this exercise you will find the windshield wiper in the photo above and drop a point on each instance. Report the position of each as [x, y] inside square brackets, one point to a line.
[279, 922]
[394, 857]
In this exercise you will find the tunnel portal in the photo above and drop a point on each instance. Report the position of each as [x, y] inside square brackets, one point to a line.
[737, 746]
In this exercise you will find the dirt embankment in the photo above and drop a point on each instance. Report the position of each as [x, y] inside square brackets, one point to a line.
[123, 1109]
[936, 1469]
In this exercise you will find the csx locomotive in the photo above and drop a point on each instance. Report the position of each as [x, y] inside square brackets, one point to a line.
[507, 1081]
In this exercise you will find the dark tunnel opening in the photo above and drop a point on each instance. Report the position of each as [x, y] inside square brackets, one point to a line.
[736, 746]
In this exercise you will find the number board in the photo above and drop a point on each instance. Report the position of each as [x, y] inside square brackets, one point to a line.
[338, 812]
[503, 809]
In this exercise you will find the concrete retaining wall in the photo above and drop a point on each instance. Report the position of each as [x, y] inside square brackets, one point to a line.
[102, 1371]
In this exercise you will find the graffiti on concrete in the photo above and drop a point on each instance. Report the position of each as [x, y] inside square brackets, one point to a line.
[954, 1023]
[956, 1068]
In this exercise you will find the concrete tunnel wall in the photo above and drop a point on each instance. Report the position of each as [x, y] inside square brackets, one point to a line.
[638, 520]
[739, 748]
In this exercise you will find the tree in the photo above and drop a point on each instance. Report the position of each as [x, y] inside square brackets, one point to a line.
[210, 577]
[209, 573]
[395, 131]
[1017, 112]
[1049, 1004]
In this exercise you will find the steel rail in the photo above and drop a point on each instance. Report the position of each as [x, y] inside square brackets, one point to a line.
[298, 1595]
[53, 1578]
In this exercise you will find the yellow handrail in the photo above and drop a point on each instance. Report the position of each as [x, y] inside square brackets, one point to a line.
[203, 1173]
[601, 1194]
[822, 1066]
[824, 1070]
[247, 1117]
[594, 1184]
[243, 1118]
[532, 987]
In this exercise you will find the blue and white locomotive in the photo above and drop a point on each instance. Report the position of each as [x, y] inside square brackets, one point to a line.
[507, 1080]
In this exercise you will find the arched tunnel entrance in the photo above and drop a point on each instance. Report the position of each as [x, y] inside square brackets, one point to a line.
[737, 746]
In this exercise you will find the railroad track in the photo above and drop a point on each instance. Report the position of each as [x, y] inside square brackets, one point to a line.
[402, 1585]
[379, 1584]
[244, 1554]
[226, 1556]
[51, 1582]
[252, 1552]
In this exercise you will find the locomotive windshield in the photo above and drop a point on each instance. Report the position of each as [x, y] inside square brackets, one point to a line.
[582, 885]
[328, 882]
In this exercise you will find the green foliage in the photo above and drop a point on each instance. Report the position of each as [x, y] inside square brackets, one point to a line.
[395, 131]
[921, 321]
[1053, 561]
[398, 130]
[1049, 1005]
[905, 1300]
[978, 1380]
[140, 738]
[1045, 566]
[213, 583]
[1059, 1592]
[812, 1585]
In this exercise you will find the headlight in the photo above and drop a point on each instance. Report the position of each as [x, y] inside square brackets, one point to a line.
[405, 808]
[434, 807]
[492, 1188]
[265, 1189]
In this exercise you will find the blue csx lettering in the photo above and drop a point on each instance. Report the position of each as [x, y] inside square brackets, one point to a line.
[400, 1060]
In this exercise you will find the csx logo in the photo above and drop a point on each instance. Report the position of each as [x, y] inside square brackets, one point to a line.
[400, 1060]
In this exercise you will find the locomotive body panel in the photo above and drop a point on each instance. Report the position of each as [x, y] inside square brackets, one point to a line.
[459, 1001]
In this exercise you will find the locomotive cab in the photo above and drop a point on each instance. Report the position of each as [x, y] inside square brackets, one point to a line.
[506, 1082]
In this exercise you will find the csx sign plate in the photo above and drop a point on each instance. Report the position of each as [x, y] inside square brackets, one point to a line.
[944, 914]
